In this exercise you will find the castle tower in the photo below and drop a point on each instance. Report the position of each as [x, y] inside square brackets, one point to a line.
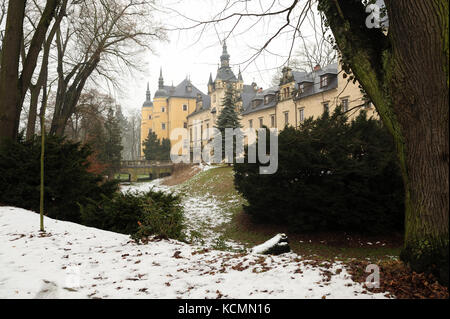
[225, 58]
[147, 114]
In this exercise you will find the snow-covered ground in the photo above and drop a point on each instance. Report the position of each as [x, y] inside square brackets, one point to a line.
[203, 215]
[73, 261]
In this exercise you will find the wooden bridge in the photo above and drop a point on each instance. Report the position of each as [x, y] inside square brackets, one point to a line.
[145, 169]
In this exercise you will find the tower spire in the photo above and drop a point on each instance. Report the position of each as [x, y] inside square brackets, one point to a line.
[161, 79]
[225, 58]
[210, 79]
[148, 95]
[240, 75]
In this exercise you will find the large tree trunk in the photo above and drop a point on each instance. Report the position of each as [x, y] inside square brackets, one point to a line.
[405, 73]
[9, 73]
[32, 113]
[68, 96]
[419, 31]
[13, 87]
[36, 89]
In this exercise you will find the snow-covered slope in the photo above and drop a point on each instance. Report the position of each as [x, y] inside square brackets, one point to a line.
[73, 261]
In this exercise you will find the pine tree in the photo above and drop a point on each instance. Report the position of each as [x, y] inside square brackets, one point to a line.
[155, 149]
[112, 149]
[229, 117]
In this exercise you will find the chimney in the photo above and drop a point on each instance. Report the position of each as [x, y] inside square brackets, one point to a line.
[317, 68]
[260, 90]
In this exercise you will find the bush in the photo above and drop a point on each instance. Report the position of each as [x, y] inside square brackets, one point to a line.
[139, 215]
[68, 181]
[332, 176]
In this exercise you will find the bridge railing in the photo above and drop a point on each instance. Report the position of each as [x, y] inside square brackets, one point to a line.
[143, 163]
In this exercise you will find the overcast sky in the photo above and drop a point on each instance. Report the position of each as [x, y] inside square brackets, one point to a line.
[195, 53]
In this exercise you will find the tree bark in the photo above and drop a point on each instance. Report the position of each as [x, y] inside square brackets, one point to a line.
[419, 82]
[405, 73]
[13, 87]
[36, 89]
[9, 73]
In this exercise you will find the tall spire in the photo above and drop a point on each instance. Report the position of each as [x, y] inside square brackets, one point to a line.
[148, 95]
[210, 79]
[161, 80]
[225, 58]
[240, 75]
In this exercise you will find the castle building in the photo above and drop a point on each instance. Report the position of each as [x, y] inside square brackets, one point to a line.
[299, 95]
[169, 109]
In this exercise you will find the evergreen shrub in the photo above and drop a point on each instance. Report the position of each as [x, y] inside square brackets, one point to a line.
[333, 176]
[68, 182]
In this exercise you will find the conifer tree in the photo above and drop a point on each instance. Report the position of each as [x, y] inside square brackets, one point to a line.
[112, 148]
[229, 117]
[156, 149]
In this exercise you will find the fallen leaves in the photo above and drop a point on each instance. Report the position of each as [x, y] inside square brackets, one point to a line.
[400, 282]
[177, 255]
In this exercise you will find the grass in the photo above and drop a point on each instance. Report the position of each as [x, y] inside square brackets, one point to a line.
[219, 182]
[122, 177]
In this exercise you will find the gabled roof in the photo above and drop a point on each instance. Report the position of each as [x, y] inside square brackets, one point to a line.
[247, 104]
[181, 90]
[225, 74]
[205, 107]
[314, 79]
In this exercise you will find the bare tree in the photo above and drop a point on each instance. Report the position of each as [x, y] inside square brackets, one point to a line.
[14, 83]
[100, 41]
[35, 88]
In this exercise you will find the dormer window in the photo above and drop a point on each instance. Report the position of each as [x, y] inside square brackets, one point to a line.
[301, 88]
[266, 99]
[255, 103]
[323, 81]
[286, 93]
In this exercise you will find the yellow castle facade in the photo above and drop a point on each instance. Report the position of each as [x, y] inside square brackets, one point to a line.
[300, 95]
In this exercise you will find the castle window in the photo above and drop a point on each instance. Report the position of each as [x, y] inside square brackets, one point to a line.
[163, 109]
[149, 117]
[163, 126]
[185, 125]
[286, 118]
[261, 122]
[301, 113]
[344, 103]
[323, 81]
[272, 120]
[185, 107]
[250, 123]
[326, 108]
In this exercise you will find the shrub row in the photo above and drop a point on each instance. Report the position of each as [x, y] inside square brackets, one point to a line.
[68, 182]
[73, 193]
[137, 214]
